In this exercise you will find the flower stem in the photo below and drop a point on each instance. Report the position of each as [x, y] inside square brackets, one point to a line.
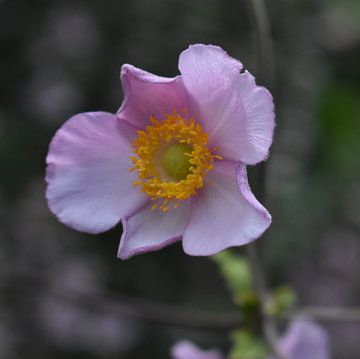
[261, 26]
[263, 42]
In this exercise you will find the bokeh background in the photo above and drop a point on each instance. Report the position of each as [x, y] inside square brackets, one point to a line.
[59, 58]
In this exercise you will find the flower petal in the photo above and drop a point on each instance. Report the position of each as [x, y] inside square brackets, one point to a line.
[89, 185]
[149, 95]
[237, 114]
[304, 340]
[184, 349]
[150, 230]
[250, 114]
[208, 73]
[225, 213]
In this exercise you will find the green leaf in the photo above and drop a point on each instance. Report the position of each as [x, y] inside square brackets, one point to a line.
[284, 298]
[247, 346]
[236, 273]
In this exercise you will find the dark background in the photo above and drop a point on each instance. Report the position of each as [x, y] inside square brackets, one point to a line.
[59, 58]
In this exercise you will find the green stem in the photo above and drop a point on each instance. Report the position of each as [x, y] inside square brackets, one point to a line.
[261, 26]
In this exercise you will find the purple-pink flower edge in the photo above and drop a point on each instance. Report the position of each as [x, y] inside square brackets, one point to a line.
[303, 340]
[90, 188]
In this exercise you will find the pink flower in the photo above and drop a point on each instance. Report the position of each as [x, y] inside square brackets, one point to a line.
[171, 164]
[184, 349]
[303, 340]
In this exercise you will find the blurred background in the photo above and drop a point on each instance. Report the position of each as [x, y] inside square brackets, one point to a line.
[62, 57]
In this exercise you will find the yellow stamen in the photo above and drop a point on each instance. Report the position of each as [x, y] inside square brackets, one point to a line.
[172, 158]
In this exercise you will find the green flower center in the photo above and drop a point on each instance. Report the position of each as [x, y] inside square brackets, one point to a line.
[172, 158]
[176, 160]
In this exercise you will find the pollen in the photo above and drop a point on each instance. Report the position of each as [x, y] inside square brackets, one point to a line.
[171, 158]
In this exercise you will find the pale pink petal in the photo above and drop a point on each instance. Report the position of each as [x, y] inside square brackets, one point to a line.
[224, 213]
[208, 73]
[237, 114]
[244, 129]
[186, 350]
[305, 340]
[149, 95]
[89, 185]
[149, 230]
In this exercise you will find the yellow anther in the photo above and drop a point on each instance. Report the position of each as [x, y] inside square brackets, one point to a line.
[172, 158]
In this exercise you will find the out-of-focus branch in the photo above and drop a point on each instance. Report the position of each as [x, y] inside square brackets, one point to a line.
[263, 43]
[257, 274]
[327, 314]
[119, 305]
[177, 316]
[164, 313]
[269, 322]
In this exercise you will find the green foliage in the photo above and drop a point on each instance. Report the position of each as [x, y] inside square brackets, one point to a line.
[236, 273]
[247, 346]
[340, 114]
[284, 298]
